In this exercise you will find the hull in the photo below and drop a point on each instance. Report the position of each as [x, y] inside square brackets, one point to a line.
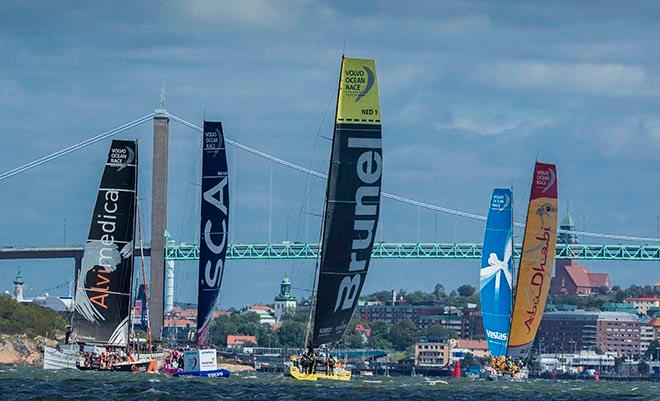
[57, 360]
[208, 373]
[339, 374]
[138, 366]
[69, 359]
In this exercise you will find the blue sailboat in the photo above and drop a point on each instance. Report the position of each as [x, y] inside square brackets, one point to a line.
[496, 272]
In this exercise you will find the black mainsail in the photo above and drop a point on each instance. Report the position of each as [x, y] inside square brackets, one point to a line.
[103, 281]
[352, 202]
[214, 225]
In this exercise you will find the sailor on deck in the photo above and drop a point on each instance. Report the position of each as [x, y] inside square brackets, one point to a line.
[331, 365]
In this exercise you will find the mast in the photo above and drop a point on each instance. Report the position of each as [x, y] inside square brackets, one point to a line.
[136, 216]
[312, 310]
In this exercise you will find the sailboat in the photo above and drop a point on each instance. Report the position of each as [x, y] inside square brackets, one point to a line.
[350, 218]
[101, 319]
[536, 261]
[532, 283]
[212, 251]
[495, 280]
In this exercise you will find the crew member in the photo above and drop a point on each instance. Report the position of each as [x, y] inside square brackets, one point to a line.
[331, 365]
[67, 334]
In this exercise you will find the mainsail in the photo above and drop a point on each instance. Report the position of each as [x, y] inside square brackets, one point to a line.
[352, 201]
[103, 284]
[214, 225]
[536, 261]
[495, 274]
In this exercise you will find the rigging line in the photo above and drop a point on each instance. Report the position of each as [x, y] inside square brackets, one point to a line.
[73, 148]
[403, 199]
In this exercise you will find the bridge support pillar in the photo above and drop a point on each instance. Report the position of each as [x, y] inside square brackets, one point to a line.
[169, 285]
[158, 222]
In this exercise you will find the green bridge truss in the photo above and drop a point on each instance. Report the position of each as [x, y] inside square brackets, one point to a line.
[174, 251]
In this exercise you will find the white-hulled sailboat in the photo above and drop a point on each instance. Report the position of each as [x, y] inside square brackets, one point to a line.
[99, 339]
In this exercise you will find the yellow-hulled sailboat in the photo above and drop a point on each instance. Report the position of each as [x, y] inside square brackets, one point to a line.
[352, 206]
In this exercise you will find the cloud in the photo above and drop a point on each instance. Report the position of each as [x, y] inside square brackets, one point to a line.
[581, 78]
[487, 128]
[251, 13]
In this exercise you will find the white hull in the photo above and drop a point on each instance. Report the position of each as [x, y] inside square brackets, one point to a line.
[56, 360]
[69, 359]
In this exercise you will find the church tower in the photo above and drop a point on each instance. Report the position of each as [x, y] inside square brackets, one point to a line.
[285, 300]
[567, 224]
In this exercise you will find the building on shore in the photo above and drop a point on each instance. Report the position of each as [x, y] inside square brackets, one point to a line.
[578, 362]
[570, 278]
[466, 322]
[643, 304]
[238, 341]
[58, 304]
[646, 333]
[266, 313]
[285, 301]
[442, 353]
[575, 331]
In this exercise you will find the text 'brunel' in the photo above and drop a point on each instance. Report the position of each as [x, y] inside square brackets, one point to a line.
[369, 170]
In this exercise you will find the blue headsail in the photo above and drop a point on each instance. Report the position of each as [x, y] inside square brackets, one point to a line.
[214, 226]
[495, 275]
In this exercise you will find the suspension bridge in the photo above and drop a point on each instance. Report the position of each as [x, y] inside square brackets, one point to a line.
[636, 249]
[163, 251]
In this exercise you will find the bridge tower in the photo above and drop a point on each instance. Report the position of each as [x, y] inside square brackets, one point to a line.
[158, 219]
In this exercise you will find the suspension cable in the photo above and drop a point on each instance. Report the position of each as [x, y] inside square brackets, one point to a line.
[401, 198]
[141, 120]
[75, 147]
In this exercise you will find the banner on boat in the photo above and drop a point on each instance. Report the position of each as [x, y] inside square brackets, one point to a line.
[352, 201]
[495, 274]
[214, 225]
[103, 284]
[536, 262]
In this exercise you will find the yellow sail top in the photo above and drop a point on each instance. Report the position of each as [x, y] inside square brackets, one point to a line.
[358, 92]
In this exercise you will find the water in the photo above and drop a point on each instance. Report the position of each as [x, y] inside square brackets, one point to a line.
[36, 384]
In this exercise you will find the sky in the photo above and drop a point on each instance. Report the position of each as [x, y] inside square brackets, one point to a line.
[471, 94]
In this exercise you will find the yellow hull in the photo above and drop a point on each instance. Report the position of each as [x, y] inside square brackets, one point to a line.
[339, 374]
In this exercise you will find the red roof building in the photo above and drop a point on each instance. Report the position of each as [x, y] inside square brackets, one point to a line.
[573, 279]
[239, 340]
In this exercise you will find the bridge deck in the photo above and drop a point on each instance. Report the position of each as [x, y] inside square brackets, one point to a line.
[381, 250]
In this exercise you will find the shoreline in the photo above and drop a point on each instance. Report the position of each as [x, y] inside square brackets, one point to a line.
[20, 350]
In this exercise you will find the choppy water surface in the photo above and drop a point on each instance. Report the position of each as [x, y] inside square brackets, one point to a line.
[36, 384]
